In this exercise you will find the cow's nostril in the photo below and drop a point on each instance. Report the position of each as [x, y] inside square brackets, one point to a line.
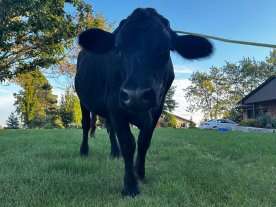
[148, 95]
[137, 99]
[124, 96]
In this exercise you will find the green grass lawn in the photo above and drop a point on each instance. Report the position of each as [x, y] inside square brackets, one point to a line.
[184, 168]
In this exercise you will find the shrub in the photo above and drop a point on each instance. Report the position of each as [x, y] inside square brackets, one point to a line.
[12, 122]
[37, 122]
[73, 125]
[48, 125]
[57, 123]
[264, 121]
[172, 122]
[249, 122]
[168, 120]
[192, 125]
[273, 123]
[234, 114]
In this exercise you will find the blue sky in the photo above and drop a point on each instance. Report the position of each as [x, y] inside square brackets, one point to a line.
[251, 20]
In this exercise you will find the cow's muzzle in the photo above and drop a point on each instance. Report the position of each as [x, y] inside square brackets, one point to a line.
[137, 100]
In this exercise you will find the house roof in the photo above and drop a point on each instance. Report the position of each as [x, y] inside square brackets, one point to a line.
[264, 92]
[181, 118]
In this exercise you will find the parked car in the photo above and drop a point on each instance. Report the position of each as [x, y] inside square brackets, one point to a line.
[218, 124]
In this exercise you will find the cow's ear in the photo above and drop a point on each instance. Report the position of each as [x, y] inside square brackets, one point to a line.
[96, 40]
[192, 47]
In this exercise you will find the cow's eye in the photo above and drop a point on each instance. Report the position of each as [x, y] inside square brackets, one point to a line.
[162, 57]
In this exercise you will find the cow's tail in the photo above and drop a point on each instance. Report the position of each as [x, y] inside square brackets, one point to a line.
[93, 120]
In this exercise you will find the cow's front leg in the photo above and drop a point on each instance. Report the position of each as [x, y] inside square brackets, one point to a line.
[127, 146]
[114, 151]
[144, 140]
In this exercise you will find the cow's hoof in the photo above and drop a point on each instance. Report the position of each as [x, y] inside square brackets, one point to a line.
[131, 192]
[84, 151]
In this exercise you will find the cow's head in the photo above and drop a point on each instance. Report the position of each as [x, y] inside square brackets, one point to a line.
[143, 41]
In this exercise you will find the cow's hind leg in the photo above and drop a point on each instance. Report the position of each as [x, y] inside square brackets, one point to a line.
[84, 148]
[144, 140]
[93, 120]
[115, 151]
[127, 146]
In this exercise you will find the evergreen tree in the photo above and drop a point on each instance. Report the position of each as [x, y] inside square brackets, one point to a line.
[70, 111]
[12, 122]
[65, 112]
[170, 104]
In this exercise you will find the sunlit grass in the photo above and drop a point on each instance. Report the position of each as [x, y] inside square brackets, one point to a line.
[184, 168]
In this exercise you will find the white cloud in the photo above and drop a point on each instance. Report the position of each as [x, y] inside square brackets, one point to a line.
[179, 96]
[7, 101]
[3, 90]
[182, 69]
[6, 107]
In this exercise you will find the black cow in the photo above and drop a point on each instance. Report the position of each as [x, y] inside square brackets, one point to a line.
[124, 77]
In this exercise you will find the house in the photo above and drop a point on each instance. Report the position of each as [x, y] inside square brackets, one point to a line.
[261, 100]
[180, 121]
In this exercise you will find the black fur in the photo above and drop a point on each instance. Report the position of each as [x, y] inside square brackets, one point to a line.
[96, 40]
[124, 77]
[192, 47]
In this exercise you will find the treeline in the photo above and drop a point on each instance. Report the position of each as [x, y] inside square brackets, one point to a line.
[38, 107]
[41, 36]
[217, 92]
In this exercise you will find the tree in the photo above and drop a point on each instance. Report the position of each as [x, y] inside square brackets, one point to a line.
[35, 34]
[200, 94]
[70, 111]
[209, 93]
[170, 104]
[35, 102]
[243, 77]
[67, 66]
[65, 113]
[218, 91]
[12, 122]
[271, 59]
